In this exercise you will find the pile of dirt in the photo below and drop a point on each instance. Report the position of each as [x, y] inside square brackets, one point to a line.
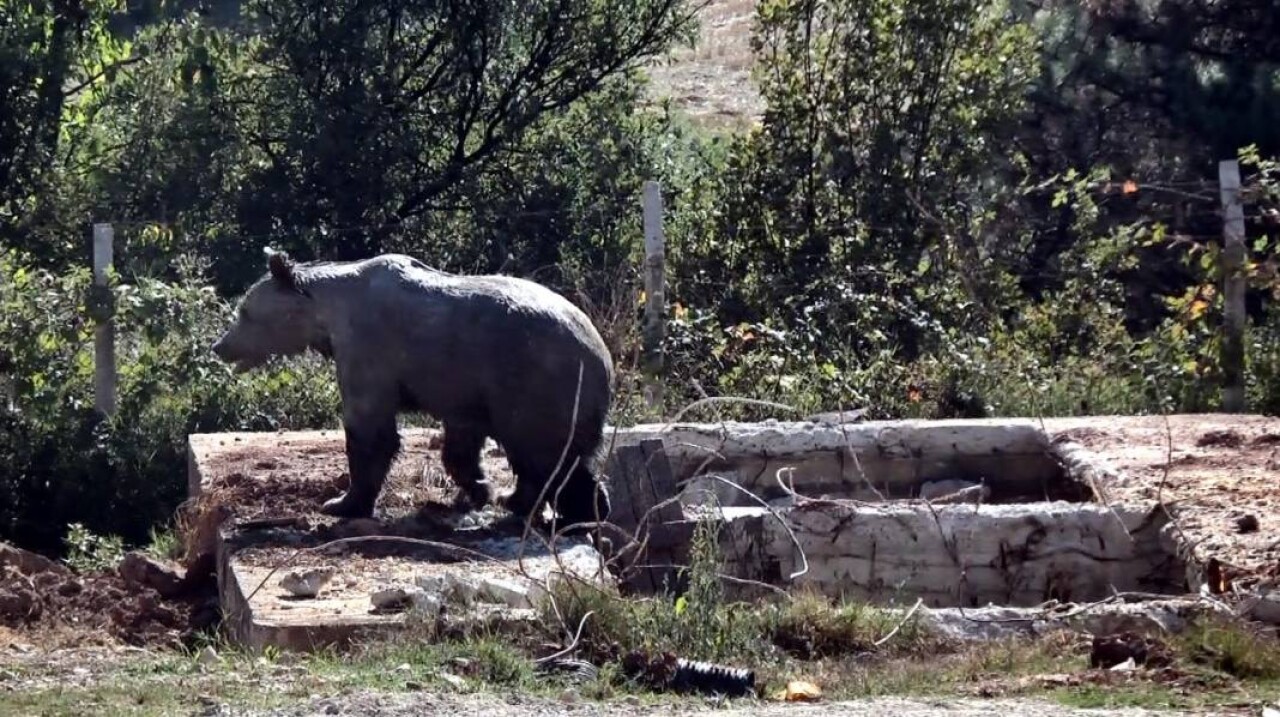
[142, 603]
[269, 478]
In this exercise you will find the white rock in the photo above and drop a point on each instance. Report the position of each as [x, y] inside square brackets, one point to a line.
[208, 656]
[505, 592]
[426, 604]
[453, 680]
[463, 591]
[434, 584]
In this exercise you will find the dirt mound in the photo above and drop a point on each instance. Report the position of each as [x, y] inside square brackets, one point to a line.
[105, 607]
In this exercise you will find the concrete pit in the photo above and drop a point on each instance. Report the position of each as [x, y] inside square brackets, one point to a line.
[956, 513]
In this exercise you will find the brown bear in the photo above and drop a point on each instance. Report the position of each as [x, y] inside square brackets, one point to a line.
[487, 356]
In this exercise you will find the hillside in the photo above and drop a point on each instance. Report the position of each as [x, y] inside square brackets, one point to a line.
[712, 81]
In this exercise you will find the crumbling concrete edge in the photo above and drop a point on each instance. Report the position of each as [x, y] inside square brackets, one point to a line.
[1099, 473]
[1087, 467]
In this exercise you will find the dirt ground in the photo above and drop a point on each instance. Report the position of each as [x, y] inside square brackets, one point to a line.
[1219, 475]
[265, 477]
[130, 680]
[712, 82]
[362, 704]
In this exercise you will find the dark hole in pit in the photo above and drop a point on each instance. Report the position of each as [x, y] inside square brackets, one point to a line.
[1001, 480]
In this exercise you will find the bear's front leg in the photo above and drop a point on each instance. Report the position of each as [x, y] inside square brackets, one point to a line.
[372, 444]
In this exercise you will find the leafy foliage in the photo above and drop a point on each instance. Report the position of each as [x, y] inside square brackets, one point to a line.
[61, 462]
[949, 208]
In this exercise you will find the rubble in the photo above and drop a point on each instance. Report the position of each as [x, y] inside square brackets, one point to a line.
[306, 584]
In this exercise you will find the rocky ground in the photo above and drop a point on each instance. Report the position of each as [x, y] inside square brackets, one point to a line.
[1217, 474]
[490, 706]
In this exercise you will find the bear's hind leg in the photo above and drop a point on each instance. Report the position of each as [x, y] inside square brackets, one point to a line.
[583, 499]
[463, 443]
[523, 500]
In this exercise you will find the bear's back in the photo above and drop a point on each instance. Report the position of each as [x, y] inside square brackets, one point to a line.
[489, 303]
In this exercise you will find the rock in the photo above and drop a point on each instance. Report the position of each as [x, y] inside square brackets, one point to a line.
[954, 491]
[454, 681]
[27, 562]
[391, 599]
[1246, 524]
[140, 569]
[400, 599]
[426, 605]
[450, 588]
[70, 588]
[1265, 607]
[434, 584]
[505, 592]
[207, 657]
[307, 584]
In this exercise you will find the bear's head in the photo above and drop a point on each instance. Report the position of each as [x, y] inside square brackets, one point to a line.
[276, 317]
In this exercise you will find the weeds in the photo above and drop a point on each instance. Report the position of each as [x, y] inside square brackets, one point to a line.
[1232, 649]
[88, 552]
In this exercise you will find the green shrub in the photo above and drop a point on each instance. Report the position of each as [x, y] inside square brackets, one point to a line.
[61, 462]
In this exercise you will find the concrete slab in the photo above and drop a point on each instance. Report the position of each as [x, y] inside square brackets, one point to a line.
[255, 504]
[861, 461]
[498, 588]
[1207, 470]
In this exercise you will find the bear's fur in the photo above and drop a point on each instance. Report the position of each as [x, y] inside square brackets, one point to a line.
[487, 356]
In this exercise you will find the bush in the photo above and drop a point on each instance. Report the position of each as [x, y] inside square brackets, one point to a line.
[61, 462]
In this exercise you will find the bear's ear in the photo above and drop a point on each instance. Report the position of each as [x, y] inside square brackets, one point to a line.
[281, 268]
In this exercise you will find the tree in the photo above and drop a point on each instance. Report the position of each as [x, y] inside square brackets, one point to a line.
[885, 121]
[371, 115]
[50, 51]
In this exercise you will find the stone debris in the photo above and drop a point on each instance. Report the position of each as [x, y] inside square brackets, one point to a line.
[402, 599]
[306, 584]
[208, 657]
[27, 562]
[143, 570]
[454, 589]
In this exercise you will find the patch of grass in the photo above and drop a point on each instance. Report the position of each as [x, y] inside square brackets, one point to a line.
[140, 685]
[809, 626]
[1231, 648]
[165, 544]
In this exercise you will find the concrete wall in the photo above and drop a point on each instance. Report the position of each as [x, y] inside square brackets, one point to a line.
[861, 461]
[956, 555]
